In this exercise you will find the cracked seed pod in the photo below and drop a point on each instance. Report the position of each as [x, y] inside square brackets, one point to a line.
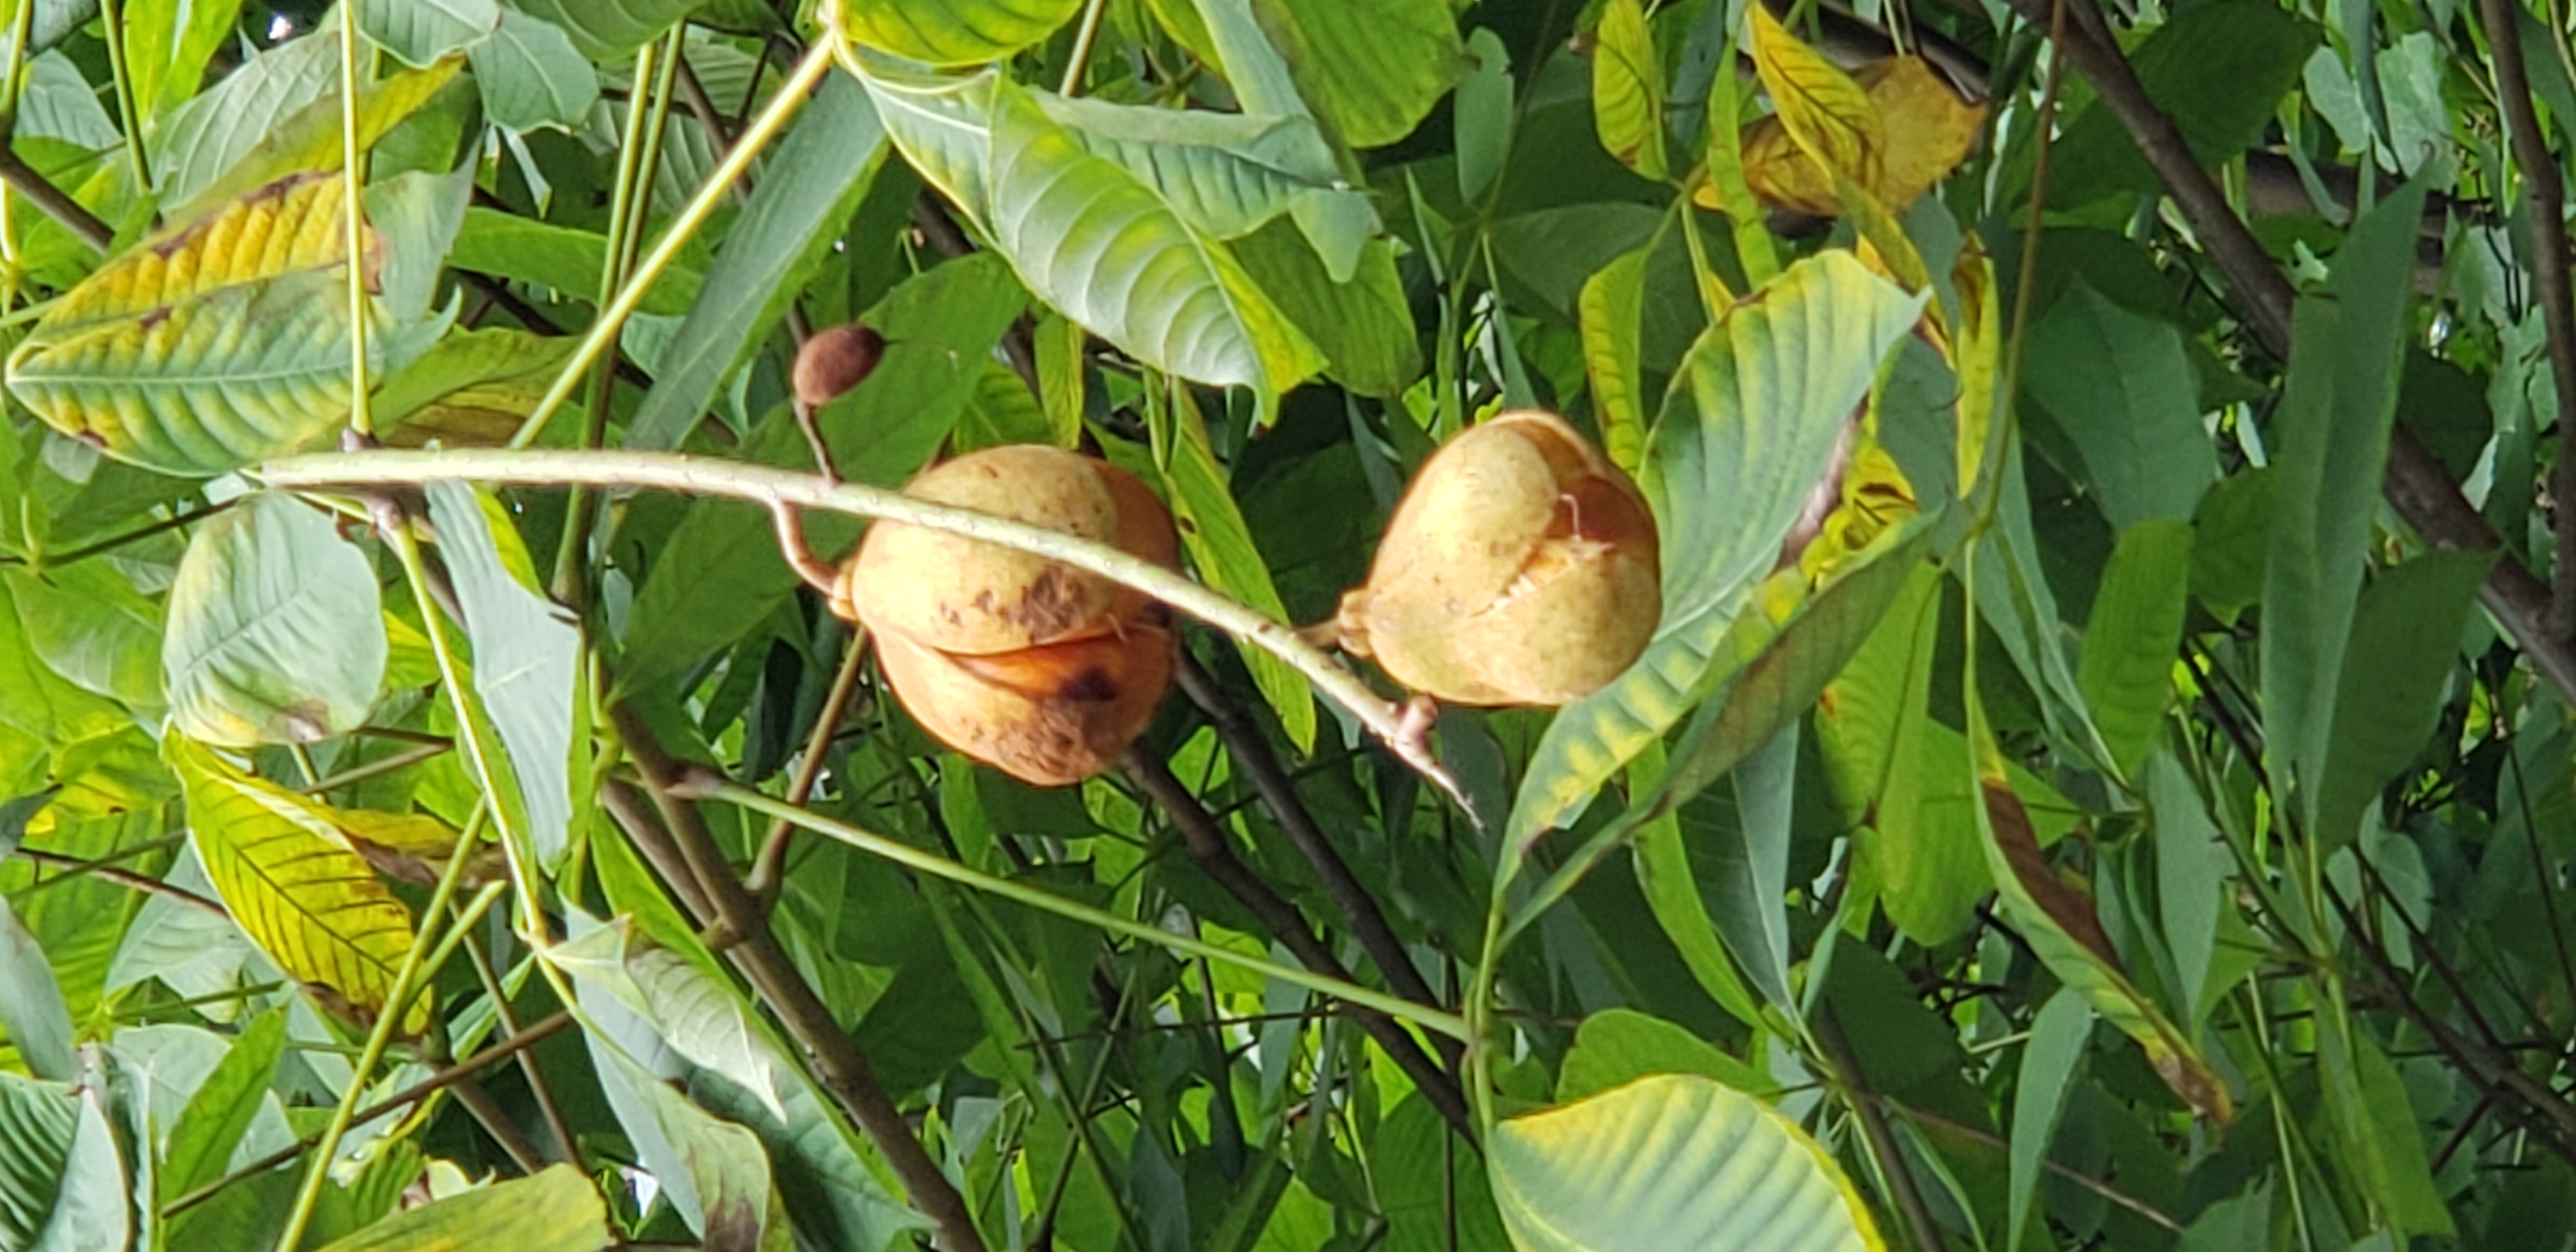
[1520, 568]
[1025, 664]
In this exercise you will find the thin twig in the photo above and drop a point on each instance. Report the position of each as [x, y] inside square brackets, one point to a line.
[2076, 1176]
[2542, 181]
[547, 1106]
[377, 768]
[1251, 754]
[774, 488]
[495, 1121]
[769, 864]
[123, 878]
[1208, 849]
[2416, 483]
[54, 202]
[1882, 1142]
[536, 1033]
[838, 1063]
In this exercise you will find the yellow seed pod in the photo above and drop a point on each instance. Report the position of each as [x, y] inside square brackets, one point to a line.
[1025, 664]
[1520, 568]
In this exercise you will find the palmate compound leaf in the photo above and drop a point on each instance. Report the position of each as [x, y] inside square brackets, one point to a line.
[1116, 222]
[1672, 1161]
[212, 346]
[953, 32]
[1746, 431]
[276, 630]
[285, 870]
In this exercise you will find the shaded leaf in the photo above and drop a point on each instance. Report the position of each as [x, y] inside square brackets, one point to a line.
[276, 628]
[2058, 1034]
[1671, 1161]
[712, 1170]
[33, 1016]
[565, 258]
[2405, 644]
[2134, 636]
[554, 1210]
[1220, 548]
[1364, 326]
[526, 652]
[310, 141]
[287, 875]
[1615, 1047]
[37, 1121]
[220, 1112]
[418, 32]
[531, 75]
[953, 32]
[605, 30]
[86, 623]
[2121, 389]
[471, 389]
[1370, 71]
[210, 134]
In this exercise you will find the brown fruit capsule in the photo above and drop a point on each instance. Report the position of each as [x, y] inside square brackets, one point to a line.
[1034, 667]
[833, 361]
[1520, 568]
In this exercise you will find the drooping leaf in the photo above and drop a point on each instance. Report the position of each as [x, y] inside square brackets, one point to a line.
[1104, 249]
[1928, 128]
[1372, 71]
[713, 1170]
[212, 346]
[2122, 390]
[795, 214]
[1612, 307]
[953, 32]
[526, 652]
[220, 1112]
[288, 876]
[565, 258]
[33, 1017]
[276, 629]
[1220, 546]
[1828, 116]
[2057, 1038]
[1628, 88]
[1672, 1161]
[606, 30]
[2134, 633]
[419, 32]
[554, 1210]
[531, 75]
[1747, 429]
[2404, 647]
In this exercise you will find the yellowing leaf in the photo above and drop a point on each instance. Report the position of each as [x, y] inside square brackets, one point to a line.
[1628, 89]
[1827, 115]
[1923, 130]
[285, 869]
[217, 344]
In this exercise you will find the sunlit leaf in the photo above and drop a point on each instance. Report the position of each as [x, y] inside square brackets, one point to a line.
[209, 135]
[1827, 115]
[606, 30]
[89, 625]
[1220, 547]
[310, 139]
[166, 68]
[1371, 71]
[276, 632]
[953, 32]
[287, 875]
[554, 1210]
[1612, 307]
[1628, 89]
[1672, 1161]
[1925, 131]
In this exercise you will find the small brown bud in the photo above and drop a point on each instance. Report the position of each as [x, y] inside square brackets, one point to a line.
[833, 361]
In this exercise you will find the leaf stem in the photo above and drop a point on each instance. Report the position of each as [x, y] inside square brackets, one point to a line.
[913, 858]
[756, 137]
[775, 488]
[121, 69]
[353, 219]
[1082, 40]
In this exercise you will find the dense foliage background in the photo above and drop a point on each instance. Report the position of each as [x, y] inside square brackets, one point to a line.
[2101, 778]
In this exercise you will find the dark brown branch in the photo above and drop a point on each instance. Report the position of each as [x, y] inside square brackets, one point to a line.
[53, 202]
[488, 1113]
[2541, 181]
[1252, 755]
[467, 1068]
[1873, 1123]
[1206, 844]
[838, 1063]
[547, 1106]
[2416, 483]
[536, 321]
[127, 879]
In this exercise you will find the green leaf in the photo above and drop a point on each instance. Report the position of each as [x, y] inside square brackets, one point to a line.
[1612, 309]
[285, 871]
[472, 387]
[2219, 70]
[814, 182]
[953, 32]
[2192, 864]
[89, 625]
[1220, 547]
[38, 700]
[1827, 115]
[526, 652]
[719, 573]
[37, 1121]
[2330, 438]
[1482, 113]
[1751, 886]
[2122, 390]
[2134, 637]
[1672, 1161]
[1672, 894]
[2057, 1038]
[2405, 645]
[532, 76]
[1371, 71]
[1628, 89]
[419, 32]
[33, 1016]
[1747, 429]
[1615, 1047]
[712, 1170]
[276, 629]
[564, 258]
[607, 30]
[554, 1210]
[167, 46]
[309, 140]
[220, 1112]
[211, 133]
[2382, 1140]
[1103, 248]
[217, 344]
[2230, 537]
[1364, 326]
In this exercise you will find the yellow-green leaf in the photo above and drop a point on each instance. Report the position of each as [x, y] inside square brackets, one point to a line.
[1672, 1161]
[1628, 89]
[1221, 547]
[1612, 310]
[1927, 130]
[1828, 116]
[953, 32]
[555, 1210]
[286, 872]
[276, 629]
